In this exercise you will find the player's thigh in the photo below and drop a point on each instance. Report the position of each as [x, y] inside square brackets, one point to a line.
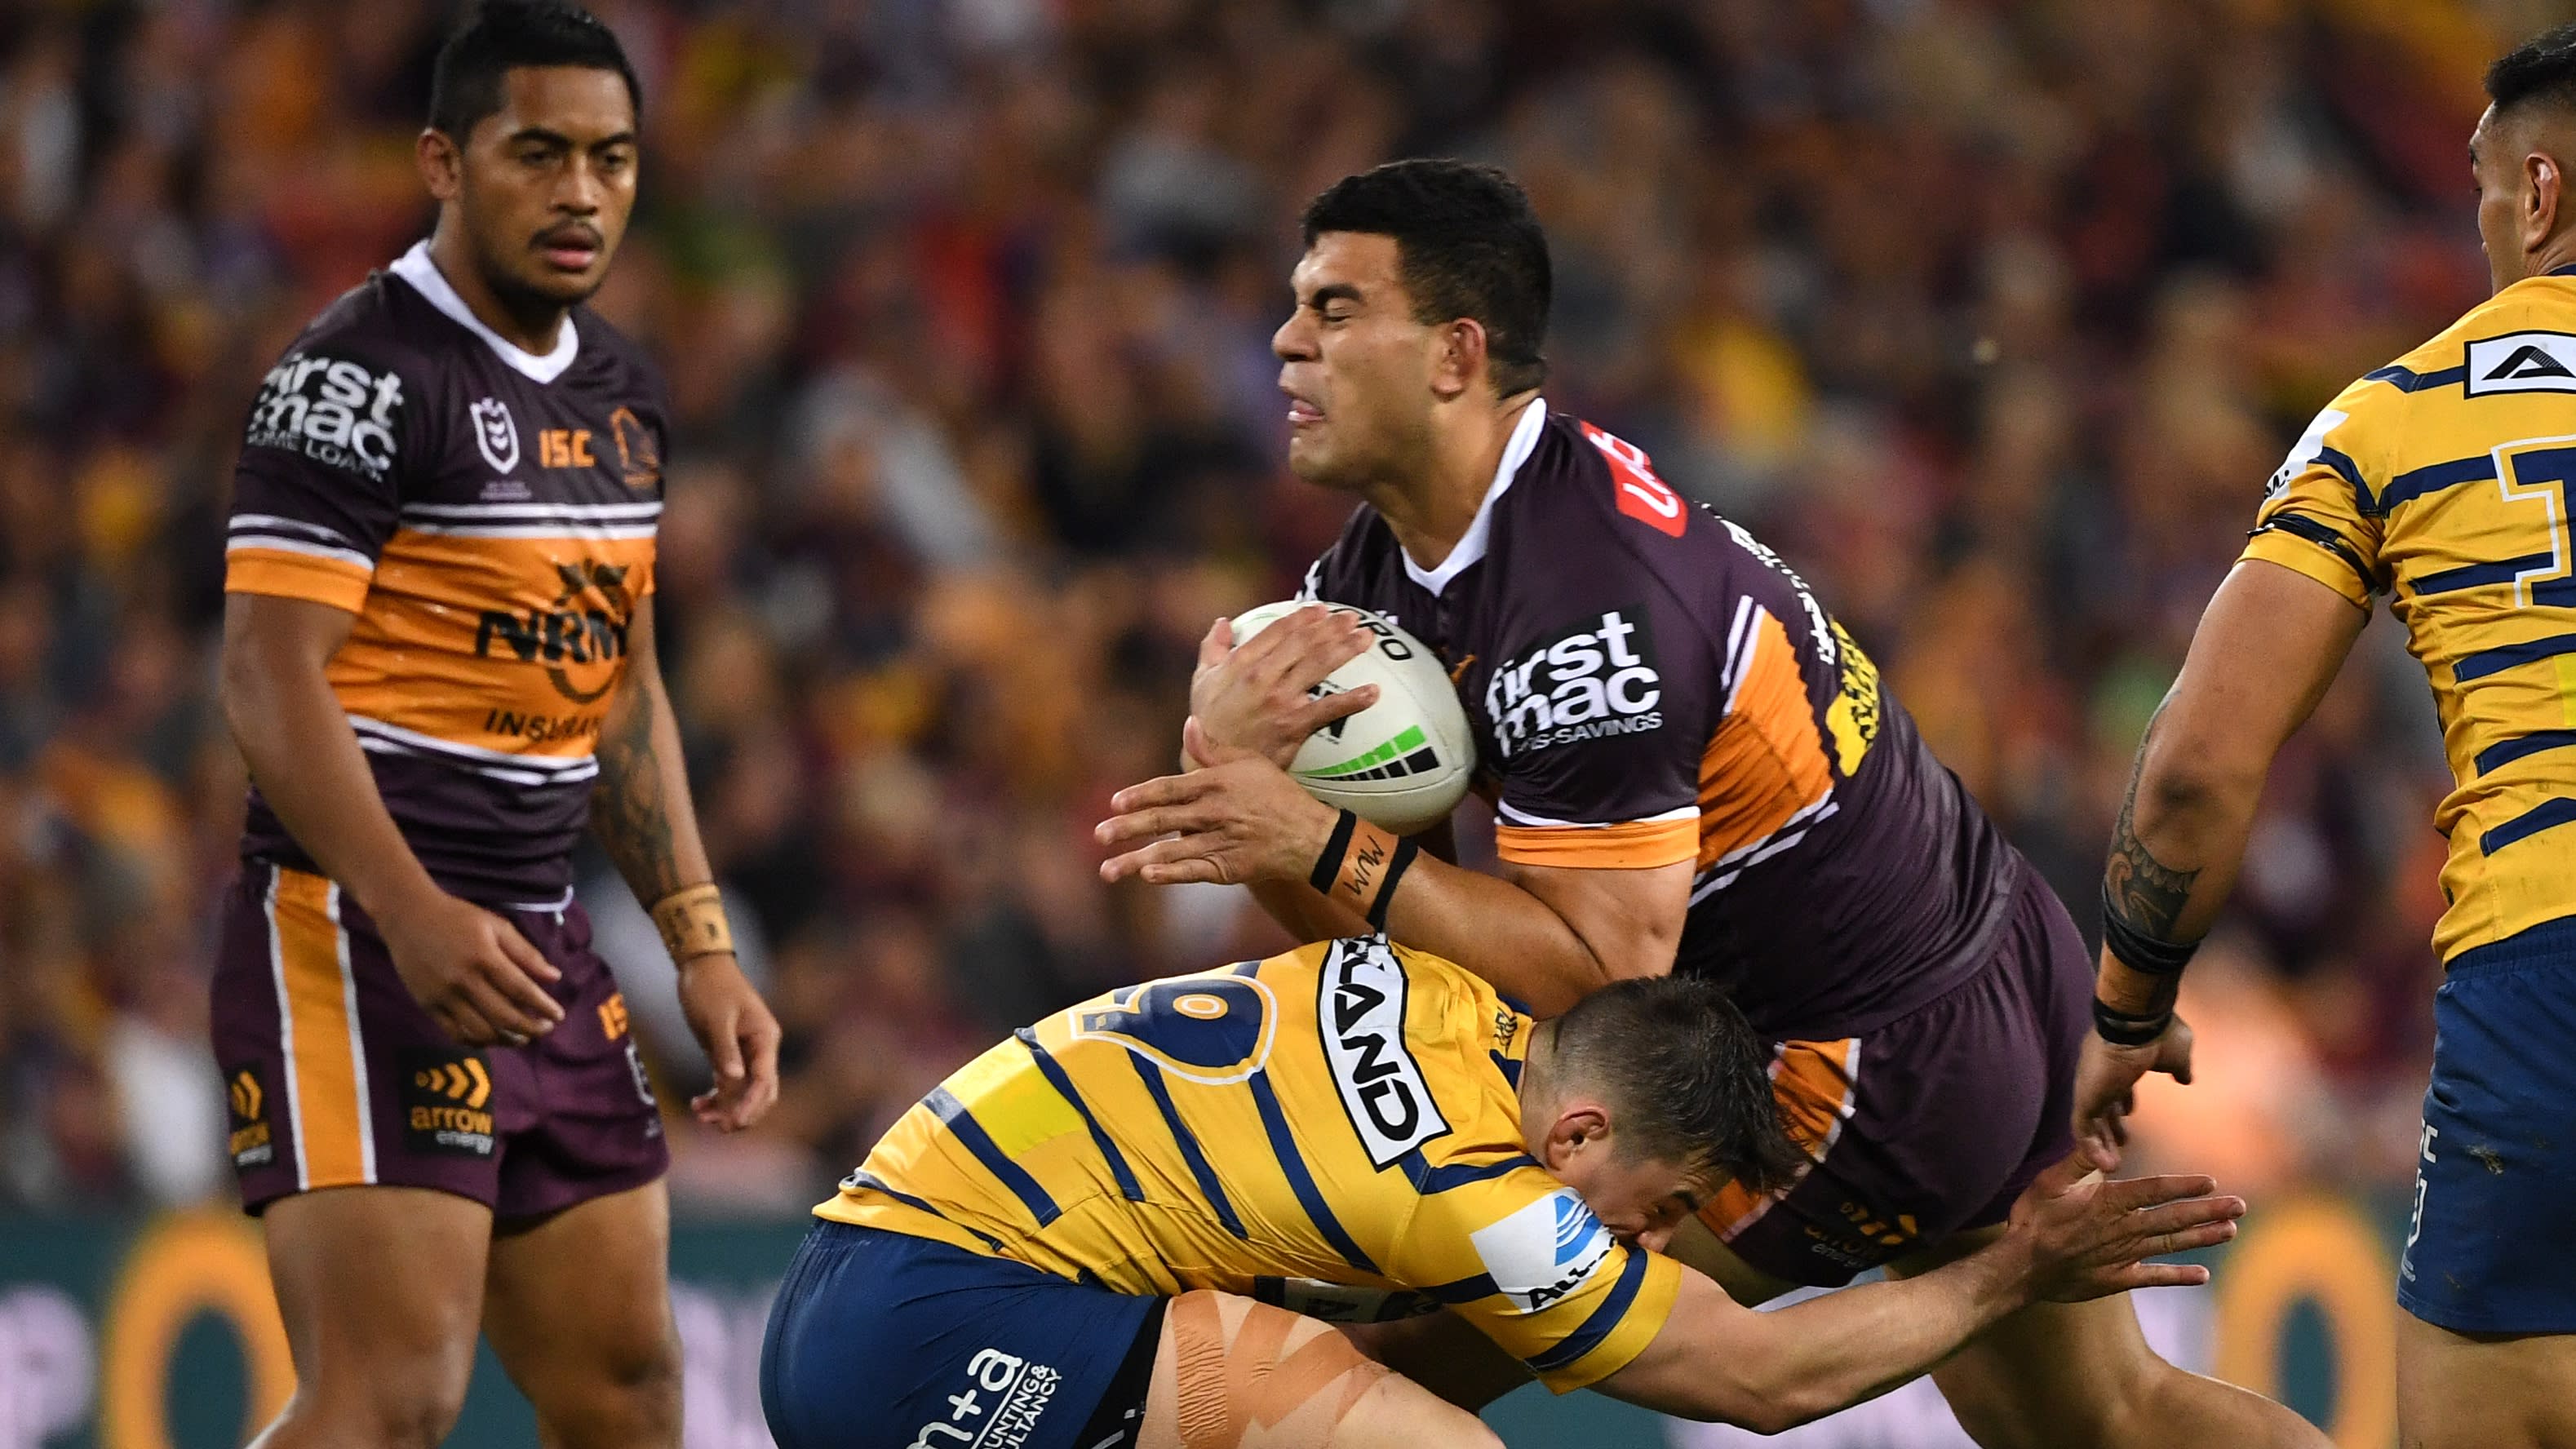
[380, 1289]
[2484, 1391]
[578, 1307]
[1231, 1372]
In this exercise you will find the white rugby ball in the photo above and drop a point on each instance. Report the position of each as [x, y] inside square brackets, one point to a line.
[1403, 762]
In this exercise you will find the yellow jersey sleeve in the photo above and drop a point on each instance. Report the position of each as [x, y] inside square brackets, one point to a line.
[1516, 1253]
[2322, 516]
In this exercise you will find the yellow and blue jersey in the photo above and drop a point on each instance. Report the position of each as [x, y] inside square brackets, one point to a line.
[1344, 1113]
[2443, 481]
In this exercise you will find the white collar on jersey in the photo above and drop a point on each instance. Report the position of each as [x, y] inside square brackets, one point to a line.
[415, 267]
[1471, 545]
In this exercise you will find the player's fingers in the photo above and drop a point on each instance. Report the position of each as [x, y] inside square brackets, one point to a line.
[2159, 1275]
[507, 1018]
[1161, 790]
[523, 952]
[761, 1091]
[509, 976]
[2177, 1217]
[463, 1026]
[1218, 644]
[2188, 1240]
[1153, 824]
[2061, 1177]
[724, 1044]
[1321, 712]
[2132, 1193]
[481, 1018]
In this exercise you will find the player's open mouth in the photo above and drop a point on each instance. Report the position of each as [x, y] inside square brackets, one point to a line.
[1302, 412]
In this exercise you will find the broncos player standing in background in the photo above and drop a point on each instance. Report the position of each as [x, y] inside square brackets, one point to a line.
[2443, 481]
[1695, 769]
[439, 664]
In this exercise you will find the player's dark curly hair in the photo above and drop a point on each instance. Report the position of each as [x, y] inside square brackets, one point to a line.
[2542, 68]
[1687, 1078]
[502, 35]
[1467, 245]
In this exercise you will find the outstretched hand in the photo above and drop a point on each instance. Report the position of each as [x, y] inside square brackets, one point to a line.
[2106, 1080]
[2089, 1237]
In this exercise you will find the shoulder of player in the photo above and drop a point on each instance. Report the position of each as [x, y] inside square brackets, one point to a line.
[630, 365]
[1585, 483]
[372, 323]
[2485, 347]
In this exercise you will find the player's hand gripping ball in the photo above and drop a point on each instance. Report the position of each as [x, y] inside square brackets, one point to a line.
[1403, 762]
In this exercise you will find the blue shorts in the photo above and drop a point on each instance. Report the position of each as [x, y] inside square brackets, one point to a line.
[2491, 1248]
[881, 1340]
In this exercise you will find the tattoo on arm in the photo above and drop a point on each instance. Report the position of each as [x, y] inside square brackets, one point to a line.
[2147, 893]
[628, 811]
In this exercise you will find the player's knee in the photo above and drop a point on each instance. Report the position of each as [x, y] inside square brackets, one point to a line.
[396, 1411]
[627, 1394]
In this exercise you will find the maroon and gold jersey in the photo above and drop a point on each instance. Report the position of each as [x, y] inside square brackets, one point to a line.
[1648, 684]
[488, 514]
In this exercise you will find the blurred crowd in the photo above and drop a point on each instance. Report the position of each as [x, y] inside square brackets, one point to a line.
[1991, 315]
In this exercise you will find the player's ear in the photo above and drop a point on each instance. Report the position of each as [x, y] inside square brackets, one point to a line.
[1462, 360]
[1581, 1126]
[2543, 194]
[442, 164]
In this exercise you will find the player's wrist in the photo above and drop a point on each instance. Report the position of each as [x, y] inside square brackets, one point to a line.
[2130, 1030]
[693, 924]
[1361, 864]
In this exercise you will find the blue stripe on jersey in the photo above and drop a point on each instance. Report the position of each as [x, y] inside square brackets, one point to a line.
[1427, 1179]
[2495, 661]
[1245, 968]
[1053, 1071]
[874, 1183]
[970, 1134]
[2520, 745]
[1510, 1069]
[2342, 463]
[1605, 1317]
[1292, 1163]
[2408, 486]
[2529, 823]
[1188, 1142]
[2470, 576]
[2407, 379]
[1465, 1290]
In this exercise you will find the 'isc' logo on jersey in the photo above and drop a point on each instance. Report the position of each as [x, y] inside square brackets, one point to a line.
[1595, 679]
[331, 410]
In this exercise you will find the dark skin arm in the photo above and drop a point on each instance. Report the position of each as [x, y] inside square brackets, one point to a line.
[469, 968]
[641, 814]
[2270, 643]
[1546, 935]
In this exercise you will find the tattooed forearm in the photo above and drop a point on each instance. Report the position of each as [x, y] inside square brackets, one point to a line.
[630, 812]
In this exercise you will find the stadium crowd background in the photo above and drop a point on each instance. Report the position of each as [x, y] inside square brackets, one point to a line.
[1991, 315]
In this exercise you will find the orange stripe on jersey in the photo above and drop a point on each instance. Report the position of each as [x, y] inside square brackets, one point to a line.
[278, 574]
[334, 1138]
[1633, 845]
[1815, 1084]
[1766, 762]
[506, 644]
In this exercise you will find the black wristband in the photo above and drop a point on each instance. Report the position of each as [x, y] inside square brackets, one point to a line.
[2135, 948]
[2122, 1028]
[1405, 851]
[1329, 864]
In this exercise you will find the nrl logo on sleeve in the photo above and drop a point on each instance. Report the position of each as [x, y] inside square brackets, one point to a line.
[1546, 1250]
[1593, 679]
[331, 410]
[2309, 448]
[1361, 1004]
[495, 435]
[2522, 362]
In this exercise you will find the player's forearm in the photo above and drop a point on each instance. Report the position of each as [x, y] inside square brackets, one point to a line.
[308, 766]
[2176, 849]
[639, 809]
[1304, 912]
[1773, 1371]
[1501, 932]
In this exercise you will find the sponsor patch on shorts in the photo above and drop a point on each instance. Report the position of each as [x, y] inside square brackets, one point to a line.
[254, 1141]
[447, 1102]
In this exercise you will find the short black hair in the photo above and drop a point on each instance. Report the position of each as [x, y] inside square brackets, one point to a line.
[503, 35]
[2542, 68]
[1687, 1078]
[1467, 245]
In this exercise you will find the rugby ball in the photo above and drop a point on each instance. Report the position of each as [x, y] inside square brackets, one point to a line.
[1403, 762]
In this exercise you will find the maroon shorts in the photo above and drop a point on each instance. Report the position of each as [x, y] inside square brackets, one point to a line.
[338, 1078]
[1931, 1124]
